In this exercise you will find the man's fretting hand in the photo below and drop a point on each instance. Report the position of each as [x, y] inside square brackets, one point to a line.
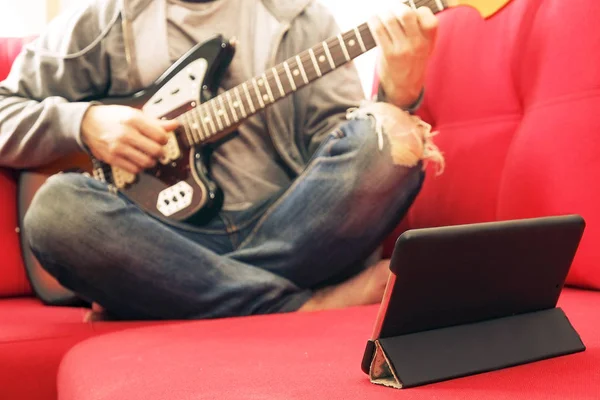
[406, 38]
[124, 137]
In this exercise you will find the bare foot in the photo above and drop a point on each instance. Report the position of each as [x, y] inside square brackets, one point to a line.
[365, 288]
[97, 313]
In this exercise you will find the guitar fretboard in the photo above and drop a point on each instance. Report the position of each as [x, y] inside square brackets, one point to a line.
[229, 109]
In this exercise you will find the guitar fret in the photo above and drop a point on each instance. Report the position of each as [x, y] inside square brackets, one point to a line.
[212, 104]
[412, 4]
[314, 60]
[248, 98]
[198, 112]
[278, 81]
[235, 116]
[193, 127]
[439, 5]
[227, 121]
[258, 95]
[268, 86]
[207, 117]
[185, 129]
[352, 44]
[289, 75]
[344, 49]
[240, 103]
[360, 41]
[203, 130]
[301, 68]
[328, 53]
[188, 125]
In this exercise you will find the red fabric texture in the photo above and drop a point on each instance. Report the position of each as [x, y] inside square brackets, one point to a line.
[301, 356]
[13, 280]
[9, 49]
[34, 339]
[514, 99]
[515, 102]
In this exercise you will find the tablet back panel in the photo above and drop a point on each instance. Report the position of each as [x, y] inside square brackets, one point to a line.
[460, 274]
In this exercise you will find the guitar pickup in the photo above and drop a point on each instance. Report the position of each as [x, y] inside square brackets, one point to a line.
[174, 198]
[171, 150]
[122, 178]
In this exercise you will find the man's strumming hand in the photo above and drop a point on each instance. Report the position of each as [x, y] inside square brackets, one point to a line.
[124, 137]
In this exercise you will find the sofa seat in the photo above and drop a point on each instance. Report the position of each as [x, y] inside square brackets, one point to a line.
[515, 102]
[33, 340]
[301, 356]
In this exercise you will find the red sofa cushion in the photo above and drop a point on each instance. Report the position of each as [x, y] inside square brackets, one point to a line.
[13, 281]
[34, 339]
[301, 356]
[515, 101]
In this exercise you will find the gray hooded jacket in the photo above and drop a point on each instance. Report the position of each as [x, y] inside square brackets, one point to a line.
[101, 50]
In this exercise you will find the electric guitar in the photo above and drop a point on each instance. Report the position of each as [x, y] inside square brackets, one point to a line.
[179, 187]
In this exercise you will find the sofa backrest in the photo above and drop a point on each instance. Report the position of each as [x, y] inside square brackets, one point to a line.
[13, 281]
[516, 101]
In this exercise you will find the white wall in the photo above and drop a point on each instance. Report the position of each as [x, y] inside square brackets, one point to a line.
[28, 17]
[349, 14]
[21, 17]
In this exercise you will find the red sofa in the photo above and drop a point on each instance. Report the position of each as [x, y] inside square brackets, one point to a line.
[515, 100]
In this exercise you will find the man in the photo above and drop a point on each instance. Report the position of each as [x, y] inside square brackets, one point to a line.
[309, 192]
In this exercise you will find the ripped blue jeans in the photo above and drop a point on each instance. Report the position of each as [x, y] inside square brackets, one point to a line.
[268, 259]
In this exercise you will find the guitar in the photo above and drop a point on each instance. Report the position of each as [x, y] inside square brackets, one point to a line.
[179, 187]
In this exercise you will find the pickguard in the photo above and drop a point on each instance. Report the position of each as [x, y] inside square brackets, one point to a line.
[181, 89]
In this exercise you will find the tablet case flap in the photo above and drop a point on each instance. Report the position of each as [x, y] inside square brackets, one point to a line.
[441, 354]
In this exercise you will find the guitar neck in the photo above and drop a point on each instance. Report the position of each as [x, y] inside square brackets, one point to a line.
[224, 112]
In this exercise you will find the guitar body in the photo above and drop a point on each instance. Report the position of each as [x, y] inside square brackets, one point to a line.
[179, 187]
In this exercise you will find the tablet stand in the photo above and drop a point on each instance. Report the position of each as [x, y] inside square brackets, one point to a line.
[441, 354]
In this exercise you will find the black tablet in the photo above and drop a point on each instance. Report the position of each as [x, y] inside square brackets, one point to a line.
[455, 275]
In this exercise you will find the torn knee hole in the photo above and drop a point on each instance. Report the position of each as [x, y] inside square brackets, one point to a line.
[410, 138]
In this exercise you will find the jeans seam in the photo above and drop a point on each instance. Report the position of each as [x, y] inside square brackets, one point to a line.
[231, 229]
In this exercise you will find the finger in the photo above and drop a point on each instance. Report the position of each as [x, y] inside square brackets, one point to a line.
[149, 127]
[169, 124]
[144, 144]
[125, 165]
[380, 34]
[408, 19]
[428, 22]
[136, 157]
[394, 28]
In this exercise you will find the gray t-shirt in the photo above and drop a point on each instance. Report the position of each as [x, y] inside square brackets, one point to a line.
[246, 166]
